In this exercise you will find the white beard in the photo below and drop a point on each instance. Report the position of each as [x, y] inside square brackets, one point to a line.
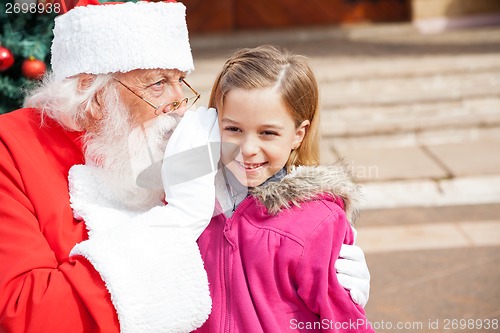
[131, 157]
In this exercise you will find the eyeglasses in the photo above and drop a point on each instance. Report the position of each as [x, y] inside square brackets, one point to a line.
[172, 106]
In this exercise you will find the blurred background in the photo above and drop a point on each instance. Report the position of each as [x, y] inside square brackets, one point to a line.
[410, 97]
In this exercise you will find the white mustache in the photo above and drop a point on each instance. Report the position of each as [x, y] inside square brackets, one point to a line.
[148, 142]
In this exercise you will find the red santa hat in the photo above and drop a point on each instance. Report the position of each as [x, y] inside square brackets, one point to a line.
[119, 37]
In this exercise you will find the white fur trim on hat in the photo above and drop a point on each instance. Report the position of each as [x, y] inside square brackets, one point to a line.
[101, 39]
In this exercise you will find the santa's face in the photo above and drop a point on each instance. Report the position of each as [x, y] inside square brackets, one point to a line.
[129, 146]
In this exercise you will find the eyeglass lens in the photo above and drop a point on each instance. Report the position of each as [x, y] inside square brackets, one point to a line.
[190, 97]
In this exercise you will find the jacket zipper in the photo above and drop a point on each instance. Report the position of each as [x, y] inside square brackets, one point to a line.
[227, 248]
[227, 286]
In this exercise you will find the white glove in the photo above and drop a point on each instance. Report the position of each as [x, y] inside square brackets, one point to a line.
[353, 273]
[189, 169]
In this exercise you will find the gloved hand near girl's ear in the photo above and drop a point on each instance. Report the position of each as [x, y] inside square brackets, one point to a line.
[189, 168]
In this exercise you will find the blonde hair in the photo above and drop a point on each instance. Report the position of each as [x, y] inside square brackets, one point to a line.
[266, 66]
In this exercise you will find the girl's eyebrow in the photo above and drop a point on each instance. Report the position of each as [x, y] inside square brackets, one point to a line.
[274, 126]
[227, 120]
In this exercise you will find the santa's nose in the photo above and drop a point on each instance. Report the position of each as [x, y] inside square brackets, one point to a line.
[180, 111]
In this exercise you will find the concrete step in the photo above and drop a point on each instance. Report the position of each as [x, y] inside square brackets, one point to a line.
[430, 137]
[409, 90]
[331, 69]
[468, 110]
[419, 166]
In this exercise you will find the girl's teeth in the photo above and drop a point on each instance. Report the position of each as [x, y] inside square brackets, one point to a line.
[253, 166]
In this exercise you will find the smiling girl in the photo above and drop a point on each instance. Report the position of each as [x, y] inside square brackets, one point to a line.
[270, 253]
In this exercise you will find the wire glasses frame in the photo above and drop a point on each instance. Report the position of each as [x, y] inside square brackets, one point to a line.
[172, 106]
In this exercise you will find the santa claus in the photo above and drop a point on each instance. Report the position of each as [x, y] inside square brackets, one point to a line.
[101, 201]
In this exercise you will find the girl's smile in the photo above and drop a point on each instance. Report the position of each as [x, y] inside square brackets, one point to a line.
[249, 167]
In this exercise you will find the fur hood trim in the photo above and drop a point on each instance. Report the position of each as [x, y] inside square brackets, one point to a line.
[305, 183]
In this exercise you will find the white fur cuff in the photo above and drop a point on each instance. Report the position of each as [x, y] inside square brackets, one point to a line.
[154, 274]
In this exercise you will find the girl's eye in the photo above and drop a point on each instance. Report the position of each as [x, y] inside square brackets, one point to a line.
[269, 133]
[232, 129]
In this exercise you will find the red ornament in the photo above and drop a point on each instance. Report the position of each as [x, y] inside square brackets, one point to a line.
[33, 68]
[6, 59]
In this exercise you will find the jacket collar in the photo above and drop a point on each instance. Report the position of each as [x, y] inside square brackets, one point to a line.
[306, 183]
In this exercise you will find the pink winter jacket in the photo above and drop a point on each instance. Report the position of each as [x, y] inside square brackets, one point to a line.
[271, 265]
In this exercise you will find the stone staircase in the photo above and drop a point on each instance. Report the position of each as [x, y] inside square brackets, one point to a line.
[415, 95]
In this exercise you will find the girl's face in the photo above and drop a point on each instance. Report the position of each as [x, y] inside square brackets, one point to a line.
[261, 134]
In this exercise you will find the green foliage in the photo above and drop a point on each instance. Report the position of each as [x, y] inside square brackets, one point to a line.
[25, 35]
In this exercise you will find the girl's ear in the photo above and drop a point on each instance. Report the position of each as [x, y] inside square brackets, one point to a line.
[300, 133]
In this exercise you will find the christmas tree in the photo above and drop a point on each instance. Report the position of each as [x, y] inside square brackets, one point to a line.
[25, 39]
[24, 50]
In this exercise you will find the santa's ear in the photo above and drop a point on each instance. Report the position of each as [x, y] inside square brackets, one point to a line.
[93, 105]
[84, 82]
[96, 111]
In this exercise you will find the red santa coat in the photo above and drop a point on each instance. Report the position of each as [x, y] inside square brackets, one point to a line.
[41, 288]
